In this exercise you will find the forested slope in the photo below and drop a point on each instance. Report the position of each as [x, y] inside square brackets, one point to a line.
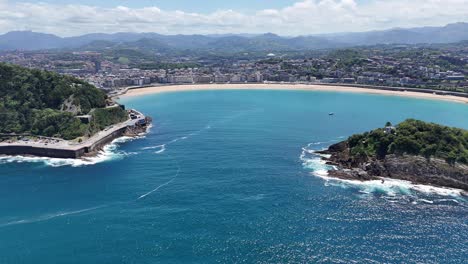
[413, 137]
[46, 103]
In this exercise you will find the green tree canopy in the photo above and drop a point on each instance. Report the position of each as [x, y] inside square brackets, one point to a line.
[413, 137]
[46, 103]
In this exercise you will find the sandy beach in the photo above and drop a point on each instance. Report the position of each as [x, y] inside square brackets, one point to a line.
[303, 87]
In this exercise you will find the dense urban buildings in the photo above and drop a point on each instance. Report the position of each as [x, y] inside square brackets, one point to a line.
[419, 66]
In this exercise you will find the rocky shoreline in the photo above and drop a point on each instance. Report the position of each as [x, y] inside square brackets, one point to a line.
[130, 131]
[416, 169]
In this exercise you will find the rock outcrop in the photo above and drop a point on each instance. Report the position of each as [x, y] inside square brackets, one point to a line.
[138, 129]
[416, 169]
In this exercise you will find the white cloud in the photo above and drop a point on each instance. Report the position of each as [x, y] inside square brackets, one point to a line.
[304, 17]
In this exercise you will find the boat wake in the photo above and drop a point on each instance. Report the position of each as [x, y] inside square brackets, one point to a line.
[162, 147]
[108, 153]
[392, 187]
[161, 150]
[50, 216]
[162, 185]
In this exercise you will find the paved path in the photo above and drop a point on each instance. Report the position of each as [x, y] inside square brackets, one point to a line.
[69, 145]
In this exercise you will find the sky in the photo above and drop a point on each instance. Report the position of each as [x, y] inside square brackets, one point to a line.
[283, 17]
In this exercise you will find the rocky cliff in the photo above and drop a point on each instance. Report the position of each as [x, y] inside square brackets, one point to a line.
[414, 168]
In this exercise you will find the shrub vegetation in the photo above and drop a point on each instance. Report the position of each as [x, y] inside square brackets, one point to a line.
[32, 102]
[413, 137]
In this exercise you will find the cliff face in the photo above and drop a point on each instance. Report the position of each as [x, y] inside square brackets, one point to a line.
[416, 169]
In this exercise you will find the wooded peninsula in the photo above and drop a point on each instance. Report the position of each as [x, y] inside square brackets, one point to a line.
[44, 103]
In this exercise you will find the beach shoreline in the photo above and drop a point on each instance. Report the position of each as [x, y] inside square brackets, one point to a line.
[140, 91]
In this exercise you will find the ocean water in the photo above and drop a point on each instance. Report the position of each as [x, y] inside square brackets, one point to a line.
[231, 177]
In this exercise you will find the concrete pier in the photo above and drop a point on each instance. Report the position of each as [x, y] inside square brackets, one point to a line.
[68, 149]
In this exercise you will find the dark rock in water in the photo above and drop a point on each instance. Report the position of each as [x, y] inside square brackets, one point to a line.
[416, 169]
[335, 148]
[138, 129]
[421, 170]
[352, 174]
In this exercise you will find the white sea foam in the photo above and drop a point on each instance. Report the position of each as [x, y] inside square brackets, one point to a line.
[148, 129]
[108, 153]
[322, 142]
[390, 187]
[426, 201]
[155, 147]
[314, 162]
[448, 201]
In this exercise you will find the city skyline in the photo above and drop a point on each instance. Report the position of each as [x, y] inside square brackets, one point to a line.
[283, 17]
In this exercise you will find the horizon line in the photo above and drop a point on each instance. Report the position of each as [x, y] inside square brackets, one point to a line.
[238, 34]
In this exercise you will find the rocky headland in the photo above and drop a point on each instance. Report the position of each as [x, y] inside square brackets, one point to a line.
[46, 114]
[423, 153]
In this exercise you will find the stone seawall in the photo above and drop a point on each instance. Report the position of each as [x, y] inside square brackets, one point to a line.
[41, 152]
[73, 152]
[98, 145]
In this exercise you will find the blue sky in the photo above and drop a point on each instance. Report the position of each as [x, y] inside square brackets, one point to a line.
[283, 17]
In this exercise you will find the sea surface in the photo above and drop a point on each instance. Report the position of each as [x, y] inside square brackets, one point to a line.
[231, 177]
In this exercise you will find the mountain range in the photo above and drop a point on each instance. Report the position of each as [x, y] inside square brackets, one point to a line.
[27, 40]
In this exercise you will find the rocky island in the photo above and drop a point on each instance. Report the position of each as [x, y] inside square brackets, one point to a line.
[51, 115]
[416, 151]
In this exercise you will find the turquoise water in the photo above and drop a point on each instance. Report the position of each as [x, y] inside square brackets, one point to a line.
[228, 176]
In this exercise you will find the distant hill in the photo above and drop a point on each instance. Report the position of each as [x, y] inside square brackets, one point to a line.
[27, 40]
[271, 42]
[432, 35]
[46, 103]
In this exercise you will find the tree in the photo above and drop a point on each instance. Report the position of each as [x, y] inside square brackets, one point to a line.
[451, 158]
[35, 101]
[429, 151]
[414, 137]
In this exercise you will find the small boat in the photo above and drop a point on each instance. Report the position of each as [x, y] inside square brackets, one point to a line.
[331, 114]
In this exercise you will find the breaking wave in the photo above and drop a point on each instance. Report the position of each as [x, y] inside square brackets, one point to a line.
[108, 153]
[313, 161]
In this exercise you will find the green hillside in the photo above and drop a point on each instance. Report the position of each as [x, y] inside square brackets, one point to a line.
[46, 103]
[412, 137]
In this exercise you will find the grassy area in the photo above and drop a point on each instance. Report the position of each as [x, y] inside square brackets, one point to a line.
[123, 60]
